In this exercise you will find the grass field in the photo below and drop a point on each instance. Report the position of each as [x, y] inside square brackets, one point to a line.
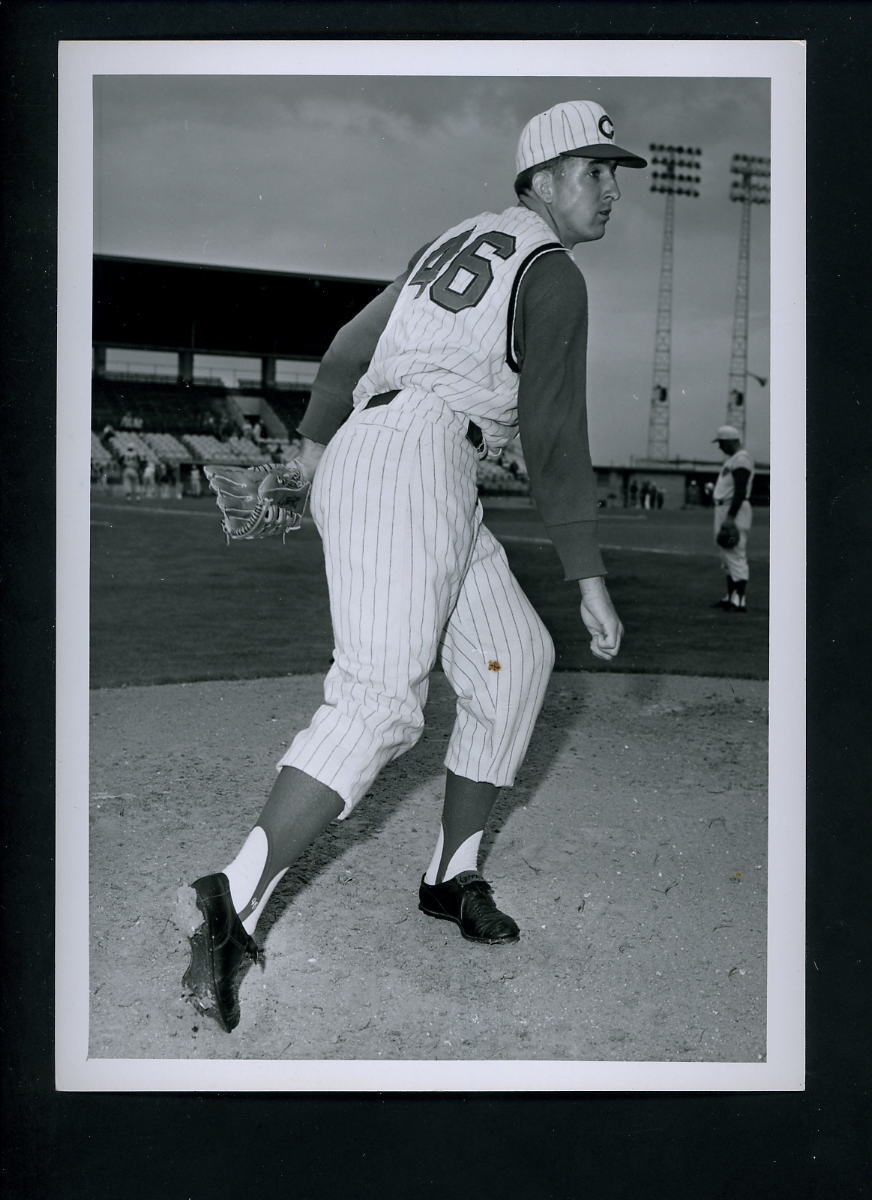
[170, 602]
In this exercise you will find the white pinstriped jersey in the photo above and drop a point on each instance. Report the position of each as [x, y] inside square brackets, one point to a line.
[450, 333]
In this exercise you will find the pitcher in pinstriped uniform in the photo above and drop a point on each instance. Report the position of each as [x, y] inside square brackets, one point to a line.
[484, 335]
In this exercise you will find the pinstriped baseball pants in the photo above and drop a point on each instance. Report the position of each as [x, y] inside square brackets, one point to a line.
[414, 574]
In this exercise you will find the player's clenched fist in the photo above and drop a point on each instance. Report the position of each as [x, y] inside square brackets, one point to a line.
[600, 618]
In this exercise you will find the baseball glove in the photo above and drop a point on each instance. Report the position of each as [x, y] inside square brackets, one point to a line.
[257, 502]
[728, 537]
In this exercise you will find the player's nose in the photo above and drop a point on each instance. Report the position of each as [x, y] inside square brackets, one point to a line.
[611, 188]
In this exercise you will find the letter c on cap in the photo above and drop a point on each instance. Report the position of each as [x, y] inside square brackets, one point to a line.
[605, 126]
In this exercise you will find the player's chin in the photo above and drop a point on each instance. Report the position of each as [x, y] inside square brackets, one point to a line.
[591, 233]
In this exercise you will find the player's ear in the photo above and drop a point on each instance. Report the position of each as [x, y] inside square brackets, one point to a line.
[542, 185]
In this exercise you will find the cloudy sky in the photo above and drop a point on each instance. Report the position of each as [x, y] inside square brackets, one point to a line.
[345, 175]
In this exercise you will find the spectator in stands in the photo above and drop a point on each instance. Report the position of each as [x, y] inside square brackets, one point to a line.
[130, 472]
[107, 435]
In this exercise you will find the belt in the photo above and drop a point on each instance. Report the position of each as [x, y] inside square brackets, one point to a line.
[473, 433]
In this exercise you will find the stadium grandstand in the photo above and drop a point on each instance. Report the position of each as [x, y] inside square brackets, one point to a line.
[159, 328]
[195, 364]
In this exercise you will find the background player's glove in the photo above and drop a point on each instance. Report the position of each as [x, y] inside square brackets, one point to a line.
[257, 502]
[728, 537]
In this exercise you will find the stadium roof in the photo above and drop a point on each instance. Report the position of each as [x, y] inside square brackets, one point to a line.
[148, 304]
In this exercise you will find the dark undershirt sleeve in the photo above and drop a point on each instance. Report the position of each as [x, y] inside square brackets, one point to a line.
[741, 475]
[346, 360]
[551, 349]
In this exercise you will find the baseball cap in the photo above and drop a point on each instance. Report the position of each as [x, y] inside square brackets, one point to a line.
[727, 433]
[578, 127]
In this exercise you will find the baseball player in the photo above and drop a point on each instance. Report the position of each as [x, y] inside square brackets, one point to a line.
[149, 478]
[732, 512]
[130, 472]
[483, 334]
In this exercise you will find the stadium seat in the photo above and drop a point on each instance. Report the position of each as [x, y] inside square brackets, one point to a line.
[246, 450]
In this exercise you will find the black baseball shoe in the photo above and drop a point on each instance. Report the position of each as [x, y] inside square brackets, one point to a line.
[220, 952]
[466, 900]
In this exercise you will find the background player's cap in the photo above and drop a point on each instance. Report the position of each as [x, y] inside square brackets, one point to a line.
[577, 127]
[727, 433]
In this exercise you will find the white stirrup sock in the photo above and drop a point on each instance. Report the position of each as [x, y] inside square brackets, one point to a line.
[465, 857]
[431, 872]
[244, 873]
[254, 916]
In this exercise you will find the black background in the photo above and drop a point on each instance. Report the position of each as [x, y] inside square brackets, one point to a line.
[556, 1147]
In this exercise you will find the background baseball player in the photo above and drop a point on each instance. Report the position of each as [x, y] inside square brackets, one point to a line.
[130, 473]
[732, 512]
[484, 333]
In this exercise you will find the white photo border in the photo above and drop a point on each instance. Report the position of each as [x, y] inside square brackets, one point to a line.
[783, 63]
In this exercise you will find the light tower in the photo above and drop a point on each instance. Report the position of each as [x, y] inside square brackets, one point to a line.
[749, 185]
[673, 160]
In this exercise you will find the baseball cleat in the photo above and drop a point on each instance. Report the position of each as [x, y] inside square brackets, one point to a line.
[466, 900]
[220, 952]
